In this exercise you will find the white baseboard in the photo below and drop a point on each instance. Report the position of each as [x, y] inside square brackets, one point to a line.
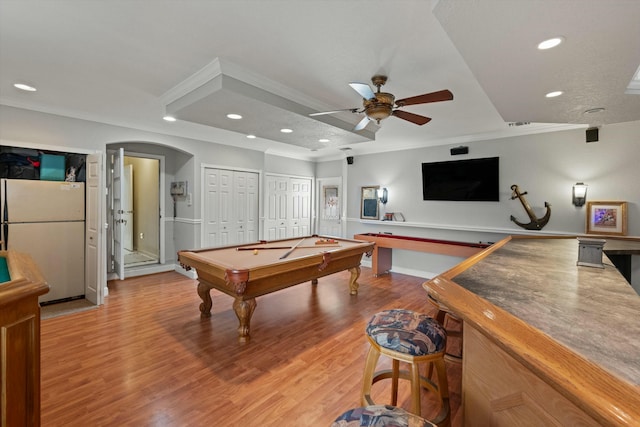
[149, 269]
[366, 262]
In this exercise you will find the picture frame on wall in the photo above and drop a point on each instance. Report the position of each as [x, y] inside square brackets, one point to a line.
[607, 218]
[369, 203]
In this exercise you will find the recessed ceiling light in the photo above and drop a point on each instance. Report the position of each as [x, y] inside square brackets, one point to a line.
[554, 94]
[548, 44]
[250, 136]
[285, 130]
[169, 118]
[594, 110]
[234, 116]
[323, 140]
[25, 87]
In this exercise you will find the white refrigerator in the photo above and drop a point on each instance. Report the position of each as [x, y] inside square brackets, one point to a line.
[46, 220]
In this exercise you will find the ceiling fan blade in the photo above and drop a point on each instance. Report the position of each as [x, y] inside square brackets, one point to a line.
[362, 124]
[413, 118]
[363, 89]
[443, 95]
[322, 113]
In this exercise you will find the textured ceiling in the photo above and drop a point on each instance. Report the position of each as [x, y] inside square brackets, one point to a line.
[124, 62]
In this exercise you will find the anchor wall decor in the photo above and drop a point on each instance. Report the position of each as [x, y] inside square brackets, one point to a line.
[536, 223]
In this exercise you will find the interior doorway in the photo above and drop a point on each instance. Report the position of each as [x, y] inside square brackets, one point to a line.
[140, 206]
[138, 176]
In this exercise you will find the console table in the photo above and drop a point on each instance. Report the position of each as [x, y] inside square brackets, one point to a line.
[381, 259]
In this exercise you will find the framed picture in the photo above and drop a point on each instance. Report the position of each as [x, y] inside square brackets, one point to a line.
[369, 203]
[607, 218]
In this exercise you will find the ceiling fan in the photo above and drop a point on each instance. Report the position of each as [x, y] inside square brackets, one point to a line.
[380, 105]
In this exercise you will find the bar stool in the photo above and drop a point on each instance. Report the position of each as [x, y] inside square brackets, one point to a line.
[414, 338]
[443, 314]
[379, 415]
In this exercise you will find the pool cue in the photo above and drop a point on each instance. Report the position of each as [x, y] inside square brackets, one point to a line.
[251, 248]
[261, 248]
[292, 249]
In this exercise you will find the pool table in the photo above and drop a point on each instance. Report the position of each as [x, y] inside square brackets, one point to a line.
[251, 270]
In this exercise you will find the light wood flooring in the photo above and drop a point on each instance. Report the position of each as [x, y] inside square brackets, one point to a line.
[146, 358]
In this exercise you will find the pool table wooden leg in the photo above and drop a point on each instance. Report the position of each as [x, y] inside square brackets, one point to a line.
[244, 311]
[353, 281]
[205, 296]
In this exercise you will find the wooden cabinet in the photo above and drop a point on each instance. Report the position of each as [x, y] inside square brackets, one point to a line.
[20, 341]
[499, 391]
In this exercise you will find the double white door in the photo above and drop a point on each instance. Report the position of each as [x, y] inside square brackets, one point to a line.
[288, 207]
[231, 207]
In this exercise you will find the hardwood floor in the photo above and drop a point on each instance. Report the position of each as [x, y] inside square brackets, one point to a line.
[146, 358]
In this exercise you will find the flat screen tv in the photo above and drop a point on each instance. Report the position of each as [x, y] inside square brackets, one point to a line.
[474, 180]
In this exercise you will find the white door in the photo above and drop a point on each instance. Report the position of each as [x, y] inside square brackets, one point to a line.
[276, 221]
[230, 207]
[118, 230]
[240, 207]
[330, 207]
[225, 207]
[300, 216]
[211, 221]
[93, 245]
[252, 213]
[127, 207]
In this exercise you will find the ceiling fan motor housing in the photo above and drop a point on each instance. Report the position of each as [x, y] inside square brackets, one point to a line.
[380, 107]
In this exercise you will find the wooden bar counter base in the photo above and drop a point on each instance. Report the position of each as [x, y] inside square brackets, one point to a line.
[20, 340]
[546, 342]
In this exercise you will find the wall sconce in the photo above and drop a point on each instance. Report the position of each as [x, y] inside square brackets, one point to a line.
[383, 195]
[579, 193]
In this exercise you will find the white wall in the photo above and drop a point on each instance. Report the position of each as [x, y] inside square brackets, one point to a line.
[545, 165]
[184, 158]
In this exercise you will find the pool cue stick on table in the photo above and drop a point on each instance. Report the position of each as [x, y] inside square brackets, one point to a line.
[262, 248]
[292, 249]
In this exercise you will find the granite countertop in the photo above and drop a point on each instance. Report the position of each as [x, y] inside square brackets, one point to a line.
[592, 311]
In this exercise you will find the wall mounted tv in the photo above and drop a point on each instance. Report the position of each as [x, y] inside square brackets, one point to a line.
[474, 180]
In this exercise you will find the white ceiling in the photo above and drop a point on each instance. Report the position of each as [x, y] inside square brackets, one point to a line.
[128, 62]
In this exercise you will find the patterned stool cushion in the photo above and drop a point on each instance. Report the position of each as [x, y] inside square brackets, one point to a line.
[379, 416]
[407, 332]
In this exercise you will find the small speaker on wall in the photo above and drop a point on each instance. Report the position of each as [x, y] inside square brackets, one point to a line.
[349, 160]
[459, 150]
[592, 135]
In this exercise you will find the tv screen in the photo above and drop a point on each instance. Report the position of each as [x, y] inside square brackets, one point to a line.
[462, 180]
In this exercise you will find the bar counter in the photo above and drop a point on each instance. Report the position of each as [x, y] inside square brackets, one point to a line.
[544, 339]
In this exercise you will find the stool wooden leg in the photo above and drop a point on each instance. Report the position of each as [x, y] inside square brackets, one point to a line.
[369, 369]
[415, 389]
[394, 381]
[443, 385]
